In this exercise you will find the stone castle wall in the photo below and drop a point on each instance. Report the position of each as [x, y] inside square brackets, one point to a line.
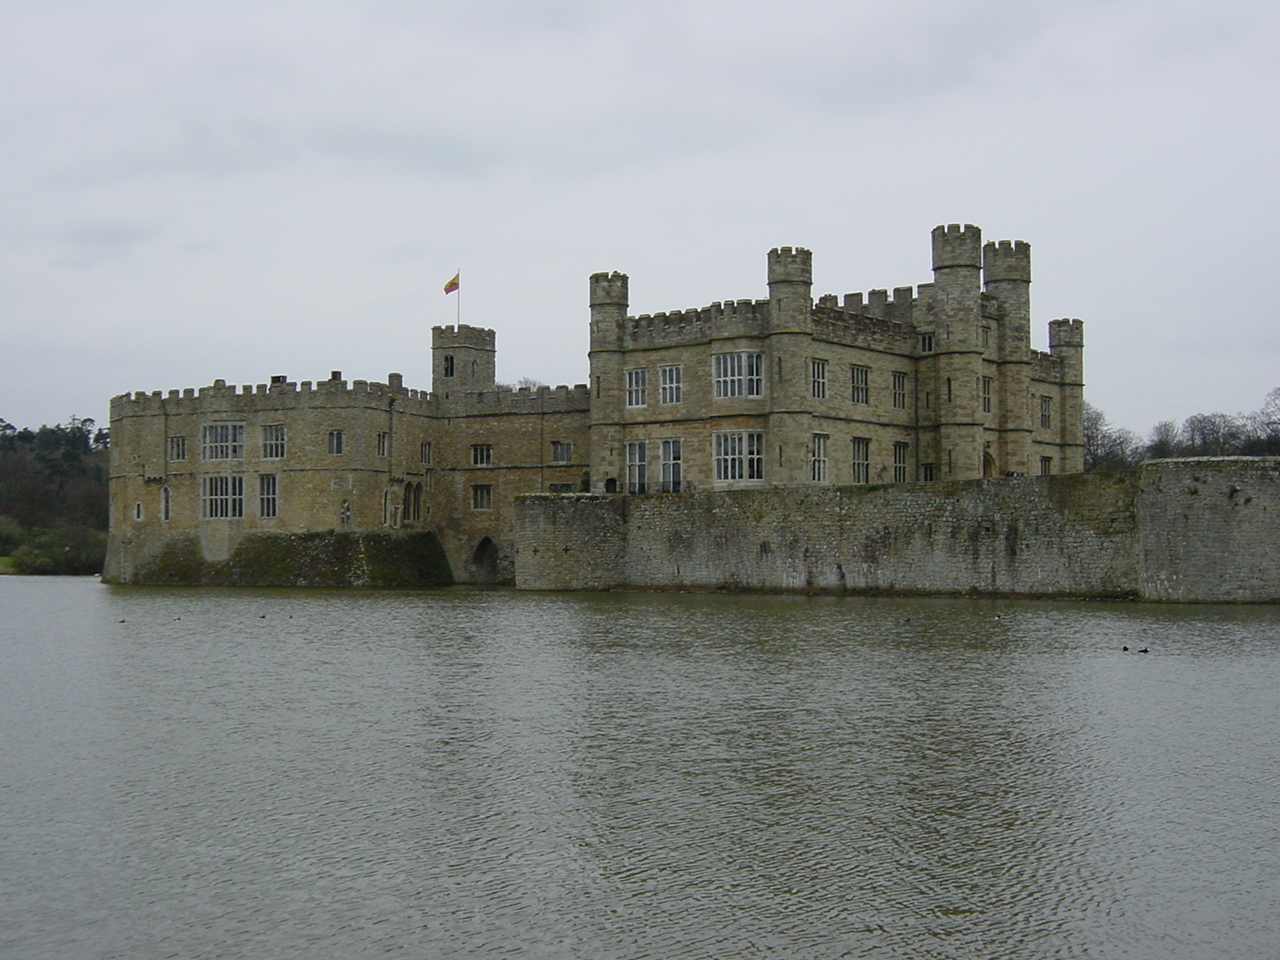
[1202, 530]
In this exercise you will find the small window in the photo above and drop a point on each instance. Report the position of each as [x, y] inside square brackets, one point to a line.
[335, 441]
[177, 448]
[987, 383]
[1046, 412]
[482, 496]
[926, 343]
[268, 504]
[637, 388]
[273, 441]
[900, 462]
[927, 472]
[137, 510]
[344, 513]
[561, 451]
[384, 443]
[670, 383]
[482, 455]
[818, 379]
[448, 365]
[166, 504]
[818, 458]
[900, 391]
[424, 451]
[1046, 466]
[861, 460]
[986, 336]
[861, 377]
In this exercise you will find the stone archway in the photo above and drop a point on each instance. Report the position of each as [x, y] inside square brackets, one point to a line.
[988, 465]
[484, 561]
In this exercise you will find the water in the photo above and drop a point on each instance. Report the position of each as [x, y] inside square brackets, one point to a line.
[342, 774]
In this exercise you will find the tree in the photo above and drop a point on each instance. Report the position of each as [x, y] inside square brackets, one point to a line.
[1107, 447]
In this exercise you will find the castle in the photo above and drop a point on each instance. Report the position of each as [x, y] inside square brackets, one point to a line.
[935, 383]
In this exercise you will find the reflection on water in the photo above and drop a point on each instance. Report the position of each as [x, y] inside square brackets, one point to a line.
[216, 773]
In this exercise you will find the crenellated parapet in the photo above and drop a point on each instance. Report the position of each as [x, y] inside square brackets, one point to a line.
[957, 246]
[740, 318]
[1006, 260]
[1065, 333]
[278, 394]
[521, 400]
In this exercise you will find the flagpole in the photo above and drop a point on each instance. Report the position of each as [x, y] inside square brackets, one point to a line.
[459, 293]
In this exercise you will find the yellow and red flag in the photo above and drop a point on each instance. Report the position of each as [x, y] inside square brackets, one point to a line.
[452, 285]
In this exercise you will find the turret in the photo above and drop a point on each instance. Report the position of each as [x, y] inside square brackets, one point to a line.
[462, 359]
[609, 301]
[1006, 275]
[791, 288]
[1066, 341]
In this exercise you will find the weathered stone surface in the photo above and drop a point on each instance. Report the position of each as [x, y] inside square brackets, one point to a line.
[1203, 530]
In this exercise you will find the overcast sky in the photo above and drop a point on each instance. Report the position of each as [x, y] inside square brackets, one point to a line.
[201, 190]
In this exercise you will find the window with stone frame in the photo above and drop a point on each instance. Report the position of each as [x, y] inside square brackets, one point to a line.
[818, 379]
[900, 391]
[561, 451]
[273, 447]
[861, 379]
[222, 441]
[670, 383]
[1046, 466]
[177, 448]
[221, 497]
[481, 496]
[738, 375]
[268, 501]
[424, 452]
[738, 456]
[384, 443]
[1046, 413]
[900, 452]
[672, 465]
[818, 458]
[335, 442]
[637, 387]
[987, 384]
[482, 454]
[861, 460]
[637, 466]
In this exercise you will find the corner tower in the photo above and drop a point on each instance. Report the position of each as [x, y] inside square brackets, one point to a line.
[957, 269]
[609, 298]
[1006, 275]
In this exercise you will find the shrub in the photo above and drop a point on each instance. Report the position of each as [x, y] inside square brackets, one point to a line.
[68, 550]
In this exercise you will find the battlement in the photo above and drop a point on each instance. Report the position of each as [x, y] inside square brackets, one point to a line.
[1065, 333]
[730, 318]
[1006, 260]
[462, 336]
[957, 246]
[790, 265]
[274, 395]
[519, 400]
[609, 289]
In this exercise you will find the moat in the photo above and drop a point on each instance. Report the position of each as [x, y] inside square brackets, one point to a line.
[337, 773]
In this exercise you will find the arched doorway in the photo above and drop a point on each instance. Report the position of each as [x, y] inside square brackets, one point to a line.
[988, 465]
[484, 561]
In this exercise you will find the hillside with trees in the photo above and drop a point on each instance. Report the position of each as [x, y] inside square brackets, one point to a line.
[53, 497]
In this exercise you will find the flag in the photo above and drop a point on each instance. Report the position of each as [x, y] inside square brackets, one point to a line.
[452, 285]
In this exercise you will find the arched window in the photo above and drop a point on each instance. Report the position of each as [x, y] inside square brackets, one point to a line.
[344, 513]
[166, 504]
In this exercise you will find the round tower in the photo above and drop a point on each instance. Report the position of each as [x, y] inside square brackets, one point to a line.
[609, 302]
